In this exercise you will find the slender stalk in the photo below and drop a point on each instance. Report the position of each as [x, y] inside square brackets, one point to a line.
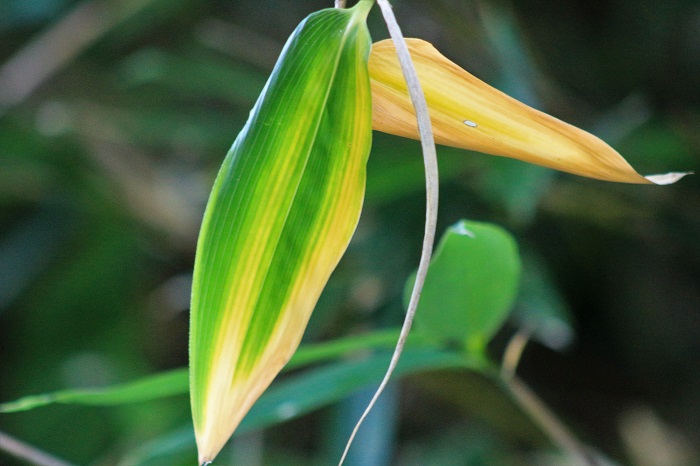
[557, 432]
[340, 3]
[28, 453]
[513, 352]
[431, 187]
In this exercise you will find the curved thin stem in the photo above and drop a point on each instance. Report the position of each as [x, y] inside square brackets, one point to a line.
[538, 411]
[514, 350]
[431, 186]
[557, 432]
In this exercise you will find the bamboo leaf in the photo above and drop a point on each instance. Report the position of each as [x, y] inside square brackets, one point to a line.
[282, 211]
[468, 113]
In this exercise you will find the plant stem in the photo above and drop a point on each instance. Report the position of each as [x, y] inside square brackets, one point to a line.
[32, 455]
[340, 3]
[431, 186]
[513, 352]
[557, 432]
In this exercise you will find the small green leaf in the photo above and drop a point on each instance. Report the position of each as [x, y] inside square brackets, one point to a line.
[471, 285]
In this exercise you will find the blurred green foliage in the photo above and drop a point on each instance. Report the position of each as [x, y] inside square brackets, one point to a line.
[115, 115]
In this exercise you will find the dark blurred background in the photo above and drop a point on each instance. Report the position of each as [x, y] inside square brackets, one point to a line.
[115, 115]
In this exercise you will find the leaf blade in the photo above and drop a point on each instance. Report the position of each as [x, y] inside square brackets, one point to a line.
[282, 211]
[148, 388]
[470, 114]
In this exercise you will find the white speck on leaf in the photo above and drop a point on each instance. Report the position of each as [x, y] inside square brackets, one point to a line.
[461, 229]
[470, 123]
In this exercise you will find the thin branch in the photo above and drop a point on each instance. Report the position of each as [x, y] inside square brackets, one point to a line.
[340, 3]
[28, 453]
[557, 432]
[513, 352]
[431, 186]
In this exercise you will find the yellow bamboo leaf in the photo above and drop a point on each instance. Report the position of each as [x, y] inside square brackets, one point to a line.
[466, 112]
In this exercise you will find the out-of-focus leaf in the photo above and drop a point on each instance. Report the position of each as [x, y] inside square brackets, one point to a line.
[392, 175]
[322, 386]
[176, 382]
[465, 443]
[379, 433]
[154, 126]
[659, 143]
[541, 308]
[60, 43]
[471, 285]
[484, 396]
[201, 75]
[20, 13]
[149, 388]
[163, 450]
[517, 187]
[281, 214]
[300, 394]
[518, 73]
[27, 249]
[323, 352]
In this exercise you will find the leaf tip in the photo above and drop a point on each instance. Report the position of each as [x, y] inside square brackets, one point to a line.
[461, 229]
[667, 178]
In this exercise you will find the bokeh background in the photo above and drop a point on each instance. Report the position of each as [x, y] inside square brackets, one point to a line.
[115, 115]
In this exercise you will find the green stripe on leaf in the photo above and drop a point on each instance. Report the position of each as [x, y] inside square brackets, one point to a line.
[282, 211]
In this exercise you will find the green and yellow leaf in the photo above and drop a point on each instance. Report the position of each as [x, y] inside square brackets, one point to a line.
[281, 214]
[466, 112]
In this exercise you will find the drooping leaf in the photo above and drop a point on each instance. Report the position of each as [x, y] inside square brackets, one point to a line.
[468, 113]
[471, 285]
[282, 211]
